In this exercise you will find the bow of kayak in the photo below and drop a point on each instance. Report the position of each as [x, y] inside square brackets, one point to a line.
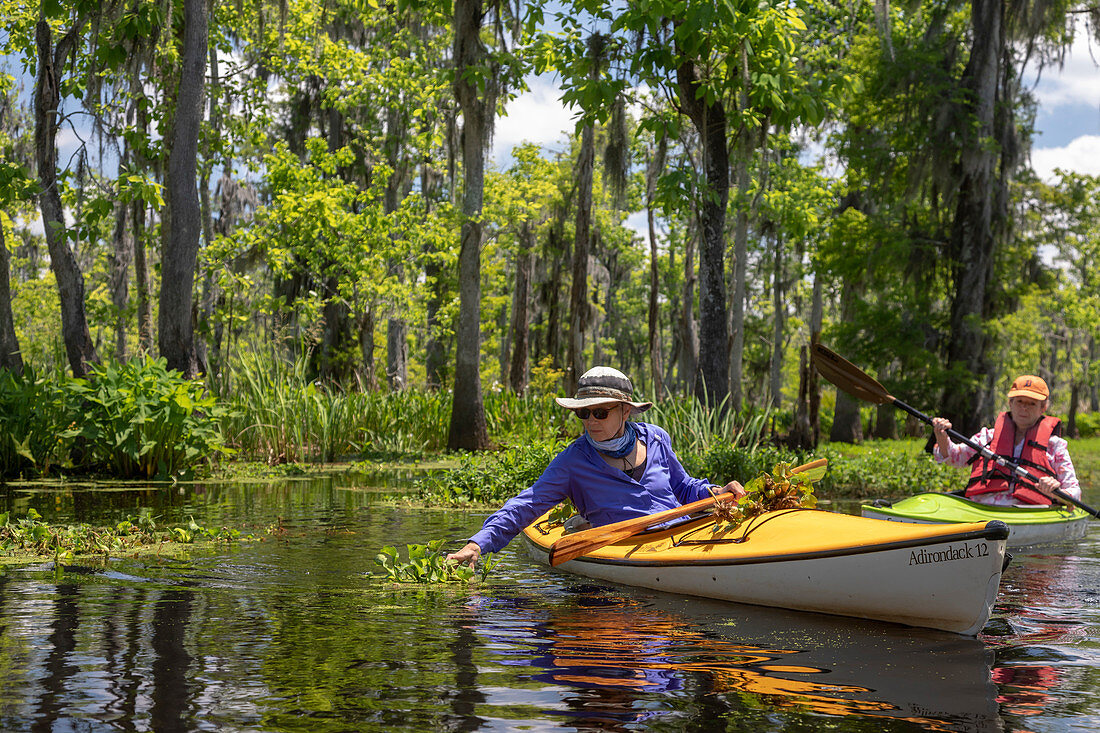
[1027, 525]
[936, 576]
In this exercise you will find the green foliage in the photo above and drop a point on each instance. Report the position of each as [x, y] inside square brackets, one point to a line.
[427, 564]
[34, 413]
[279, 415]
[773, 491]
[143, 420]
[886, 468]
[723, 461]
[1088, 424]
[30, 538]
[488, 478]
[545, 379]
[138, 420]
[516, 420]
[695, 427]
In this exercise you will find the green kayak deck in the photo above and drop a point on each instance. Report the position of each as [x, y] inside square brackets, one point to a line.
[1027, 525]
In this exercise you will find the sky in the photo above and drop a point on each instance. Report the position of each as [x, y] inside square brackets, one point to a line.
[1067, 123]
[1068, 120]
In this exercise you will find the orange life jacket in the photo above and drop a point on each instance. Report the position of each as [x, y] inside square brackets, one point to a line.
[987, 477]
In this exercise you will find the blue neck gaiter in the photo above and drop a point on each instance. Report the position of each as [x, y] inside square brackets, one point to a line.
[616, 447]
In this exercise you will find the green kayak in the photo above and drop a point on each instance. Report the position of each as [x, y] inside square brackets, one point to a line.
[1039, 525]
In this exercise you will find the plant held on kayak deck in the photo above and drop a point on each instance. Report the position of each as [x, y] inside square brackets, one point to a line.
[770, 492]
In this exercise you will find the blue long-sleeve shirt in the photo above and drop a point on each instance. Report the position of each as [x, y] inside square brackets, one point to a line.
[601, 493]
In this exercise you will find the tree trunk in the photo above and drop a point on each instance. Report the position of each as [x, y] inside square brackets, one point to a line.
[817, 316]
[553, 293]
[209, 296]
[740, 246]
[11, 357]
[1093, 390]
[138, 238]
[70, 280]
[468, 429]
[653, 169]
[807, 422]
[175, 332]
[778, 326]
[397, 328]
[367, 377]
[847, 427]
[712, 380]
[141, 279]
[886, 423]
[1071, 418]
[521, 296]
[435, 356]
[578, 295]
[972, 237]
[689, 338]
[118, 265]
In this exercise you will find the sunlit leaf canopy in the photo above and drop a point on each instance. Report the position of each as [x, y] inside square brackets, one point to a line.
[332, 179]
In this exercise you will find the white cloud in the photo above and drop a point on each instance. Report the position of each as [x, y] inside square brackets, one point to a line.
[536, 116]
[1078, 81]
[1082, 155]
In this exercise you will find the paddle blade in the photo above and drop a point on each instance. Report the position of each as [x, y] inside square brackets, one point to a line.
[848, 377]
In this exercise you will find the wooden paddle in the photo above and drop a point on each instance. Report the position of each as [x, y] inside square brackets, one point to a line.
[581, 543]
[848, 377]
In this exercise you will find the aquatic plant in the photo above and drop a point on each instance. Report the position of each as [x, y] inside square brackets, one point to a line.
[488, 478]
[769, 492]
[143, 420]
[427, 564]
[30, 538]
[135, 420]
[33, 412]
[694, 427]
[280, 414]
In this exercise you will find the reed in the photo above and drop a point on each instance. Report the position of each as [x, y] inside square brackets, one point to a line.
[695, 427]
[280, 415]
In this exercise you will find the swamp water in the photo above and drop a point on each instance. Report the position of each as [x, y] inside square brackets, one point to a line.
[291, 634]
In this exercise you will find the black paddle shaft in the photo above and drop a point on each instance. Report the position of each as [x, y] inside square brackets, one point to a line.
[1020, 472]
[853, 380]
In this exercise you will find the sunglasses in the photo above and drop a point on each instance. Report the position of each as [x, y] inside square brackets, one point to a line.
[600, 413]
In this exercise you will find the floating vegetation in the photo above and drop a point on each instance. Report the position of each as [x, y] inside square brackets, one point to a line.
[30, 539]
[426, 564]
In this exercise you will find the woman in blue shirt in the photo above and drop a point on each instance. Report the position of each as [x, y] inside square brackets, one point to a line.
[618, 469]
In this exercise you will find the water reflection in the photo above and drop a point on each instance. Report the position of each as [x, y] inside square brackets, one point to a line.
[289, 634]
[632, 659]
[1041, 637]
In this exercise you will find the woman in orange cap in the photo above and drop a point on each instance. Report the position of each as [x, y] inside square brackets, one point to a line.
[1024, 435]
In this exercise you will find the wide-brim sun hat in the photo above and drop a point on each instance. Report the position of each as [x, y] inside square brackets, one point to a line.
[600, 385]
[1028, 385]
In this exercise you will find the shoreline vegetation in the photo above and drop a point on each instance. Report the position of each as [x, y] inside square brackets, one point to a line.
[145, 423]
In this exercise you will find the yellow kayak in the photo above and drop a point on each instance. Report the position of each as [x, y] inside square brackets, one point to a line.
[936, 576]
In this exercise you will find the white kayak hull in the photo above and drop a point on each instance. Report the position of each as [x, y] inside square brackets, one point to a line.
[948, 583]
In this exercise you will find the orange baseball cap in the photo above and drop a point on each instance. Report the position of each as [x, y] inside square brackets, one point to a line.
[1028, 385]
